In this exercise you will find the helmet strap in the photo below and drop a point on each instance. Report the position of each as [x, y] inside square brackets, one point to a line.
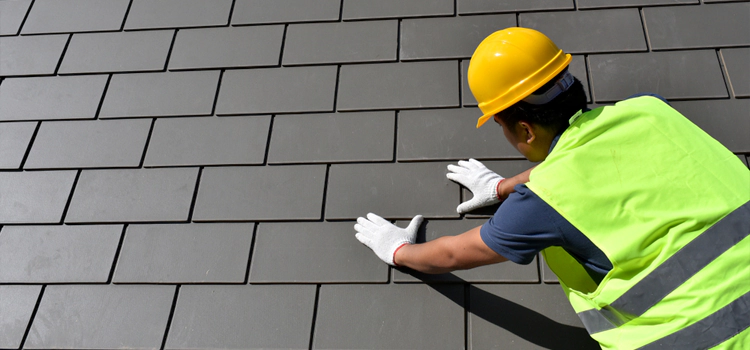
[562, 85]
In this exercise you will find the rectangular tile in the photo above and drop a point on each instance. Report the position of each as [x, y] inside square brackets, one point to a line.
[57, 254]
[366, 9]
[674, 75]
[47, 98]
[160, 94]
[147, 14]
[506, 272]
[725, 120]
[234, 47]
[34, 197]
[505, 168]
[706, 26]
[492, 6]
[106, 317]
[285, 11]
[260, 193]
[397, 191]
[185, 253]
[736, 63]
[208, 141]
[588, 4]
[31, 55]
[89, 144]
[533, 307]
[371, 41]
[12, 14]
[596, 31]
[242, 317]
[547, 275]
[450, 37]
[313, 252]
[17, 306]
[390, 317]
[446, 134]
[14, 141]
[277, 90]
[133, 195]
[332, 138]
[64, 16]
[117, 52]
[398, 85]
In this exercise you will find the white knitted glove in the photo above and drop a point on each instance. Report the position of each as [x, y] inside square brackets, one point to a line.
[383, 237]
[482, 182]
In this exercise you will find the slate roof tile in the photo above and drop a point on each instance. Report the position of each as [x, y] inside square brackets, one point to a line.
[364, 9]
[65, 16]
[61, 254]
[683, 27]
[17, 307]
[491, 6]
[117, 52]
[725, 120]
[285, 11]
[34, 197]
[49, 98]
[12, 14]
[31, 55]
[738, 72]
[588, 4]
[149, 14]
[14, 141]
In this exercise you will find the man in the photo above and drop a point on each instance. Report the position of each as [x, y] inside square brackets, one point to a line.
[643, 217]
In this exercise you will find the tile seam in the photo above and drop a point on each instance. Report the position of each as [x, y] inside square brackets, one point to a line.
[325, 193]
[148, 141]
[25, 17]
[101, 100]
[642, 15]
[33, 316]
[125, 17]
[231, 13]
[171, 316]
[195, 195]
[62, 54]
[283, 44]
[28, 147]
[268, 140]
[314, 316]
[70, 197]
[117, 254]
[169, 53]
[725, 74]
[218, 90]
[251, 253]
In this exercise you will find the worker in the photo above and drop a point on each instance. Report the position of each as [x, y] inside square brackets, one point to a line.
[643, 217]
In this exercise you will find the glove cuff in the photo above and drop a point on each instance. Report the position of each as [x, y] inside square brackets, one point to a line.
[393, 258]
[497, 190]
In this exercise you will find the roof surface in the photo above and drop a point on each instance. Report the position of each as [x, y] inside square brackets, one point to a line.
[184, 174]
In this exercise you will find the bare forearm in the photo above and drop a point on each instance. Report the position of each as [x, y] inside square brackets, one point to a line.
[505, 188]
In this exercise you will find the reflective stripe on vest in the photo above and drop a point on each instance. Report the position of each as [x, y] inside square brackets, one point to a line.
[668, 205]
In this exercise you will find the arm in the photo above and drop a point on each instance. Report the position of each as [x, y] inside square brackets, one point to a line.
[449, 253]
[505, 187]
[487, 187]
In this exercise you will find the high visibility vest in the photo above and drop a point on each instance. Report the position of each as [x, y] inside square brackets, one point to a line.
[669, 207]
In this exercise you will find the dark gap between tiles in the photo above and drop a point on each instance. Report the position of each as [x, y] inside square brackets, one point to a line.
[336, 87]
[28, 148]
[725, 74]
[341, 11]
[33, 315]
[325, 194]
[70, 197]
[62, 55]
[171, 315]
[314, 316]
[169, 52]
[251, 253]
[195, 195]
[26, 16]
[117, 254]
[148, 140]
[231, 11]
[268, 140]
[216, 96]
[283, 43]
[125, 18]
[101, 101]
[395, 138]
[398, 41]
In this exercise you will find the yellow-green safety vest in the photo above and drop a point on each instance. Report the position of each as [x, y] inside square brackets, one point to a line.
[670, 208]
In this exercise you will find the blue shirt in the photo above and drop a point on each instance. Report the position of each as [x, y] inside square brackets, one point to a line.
[524, 225]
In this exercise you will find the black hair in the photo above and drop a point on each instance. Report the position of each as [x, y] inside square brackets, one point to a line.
[553, 115]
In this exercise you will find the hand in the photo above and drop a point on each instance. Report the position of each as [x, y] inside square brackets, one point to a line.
[482, 182]
[383, 237]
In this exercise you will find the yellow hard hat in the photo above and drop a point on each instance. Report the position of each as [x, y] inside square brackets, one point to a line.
[509, 65]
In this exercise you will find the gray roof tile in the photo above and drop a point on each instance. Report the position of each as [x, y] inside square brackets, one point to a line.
[242, 317]
[313, 252]
[231, 47]
[261, 193]
[595, 31]
[106, 317]
[58, 254]
[133, 195]
[286, 90]
[160, 94]
[184, 253]
[208, 141]
[738, 70]
[14, 141]
[64, 16]
[340, 137]
[117, 52]
[450, 37]
[397, 191]
[492, 6]
[398, 85]
[17, 307]
[681, 27]
[147, 14]
[31, 55]
[12, 14]
[366, 9]
[34, 197]
[370, 41]
[390, 317]
[588, 4]
[505, 168]
[89, 144]
[725, 120]
[505, 272]
[674, 75]
[48, 98]
[285, 11]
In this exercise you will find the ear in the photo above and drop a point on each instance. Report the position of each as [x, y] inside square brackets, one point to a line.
[527, 132]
